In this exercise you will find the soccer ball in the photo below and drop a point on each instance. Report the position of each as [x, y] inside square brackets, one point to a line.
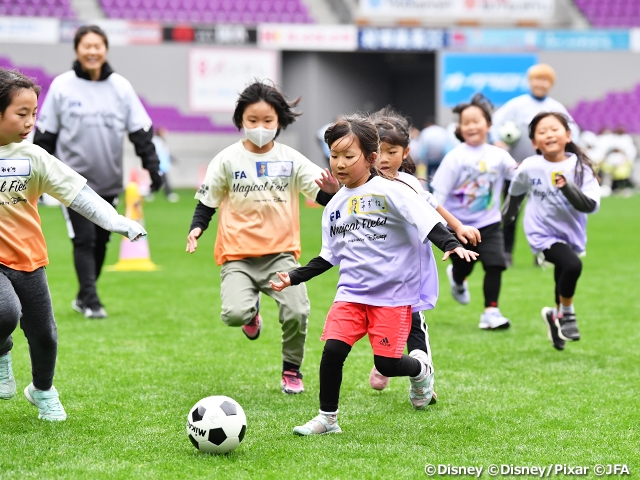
[509, 133]
[216, 424]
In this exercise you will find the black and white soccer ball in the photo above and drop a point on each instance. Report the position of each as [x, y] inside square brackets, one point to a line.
[509, 132]
[216, 424]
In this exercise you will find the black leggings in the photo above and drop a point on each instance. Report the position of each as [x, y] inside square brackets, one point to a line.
[333, 356]
[418, 335]
[492, 279]
[509, 229]
[568, 268]
[89, 249]
[25, 299]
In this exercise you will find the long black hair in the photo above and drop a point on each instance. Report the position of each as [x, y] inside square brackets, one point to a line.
[583, 160]
[478, 100]
[265, 91]
[10, 82]
[393, 128]
[85, 29]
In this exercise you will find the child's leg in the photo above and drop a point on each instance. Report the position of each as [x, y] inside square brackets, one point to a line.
[38, 324]
[238, 292]
[9, 318]
[293, 306]
[334, 354]
[461, 268]
[568, 268]
[492, 284]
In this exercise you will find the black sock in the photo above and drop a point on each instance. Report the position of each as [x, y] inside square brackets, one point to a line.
[288, 366]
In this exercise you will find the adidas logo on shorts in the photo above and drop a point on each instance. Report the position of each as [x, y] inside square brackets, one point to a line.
[385, 342]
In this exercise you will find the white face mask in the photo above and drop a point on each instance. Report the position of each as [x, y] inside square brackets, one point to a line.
[260, 136]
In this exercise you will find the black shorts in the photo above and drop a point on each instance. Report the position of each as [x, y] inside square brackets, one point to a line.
[491, 248]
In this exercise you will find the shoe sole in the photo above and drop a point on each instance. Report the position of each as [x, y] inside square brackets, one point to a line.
[549, 333]
[291, 392]
[338, 430]
[252, 338]
[75, 307]
[566, 339]
[504, 326]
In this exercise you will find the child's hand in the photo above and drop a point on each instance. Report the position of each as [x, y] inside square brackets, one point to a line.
[560, 180]
[328, 183]
[468, 234]
[284, 283]
[468, 255]
[192, 239]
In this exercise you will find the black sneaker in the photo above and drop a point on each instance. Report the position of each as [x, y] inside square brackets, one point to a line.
[568, 327]
[94, 313]
[549, 318]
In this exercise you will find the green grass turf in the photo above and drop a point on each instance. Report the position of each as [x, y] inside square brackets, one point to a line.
[505, 397]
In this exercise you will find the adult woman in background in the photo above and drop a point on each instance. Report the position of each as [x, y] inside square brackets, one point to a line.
[83, 121]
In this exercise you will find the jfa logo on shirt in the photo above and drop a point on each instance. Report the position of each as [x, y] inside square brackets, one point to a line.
[367, 204]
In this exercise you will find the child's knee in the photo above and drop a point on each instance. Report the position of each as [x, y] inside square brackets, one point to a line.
[238, 315]
[10, 312]
[385, 365]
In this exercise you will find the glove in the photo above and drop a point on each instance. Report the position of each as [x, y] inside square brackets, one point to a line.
[157, 180]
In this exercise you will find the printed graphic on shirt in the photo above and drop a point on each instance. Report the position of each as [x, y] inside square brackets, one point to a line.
[476, 191]
[274, 169]
[15, 167]
[554, 177]
[365, 204]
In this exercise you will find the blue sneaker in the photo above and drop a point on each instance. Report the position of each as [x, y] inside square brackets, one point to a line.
[48, 403]
[7, 382]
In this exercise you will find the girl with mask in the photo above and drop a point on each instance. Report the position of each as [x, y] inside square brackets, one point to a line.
[255, 183]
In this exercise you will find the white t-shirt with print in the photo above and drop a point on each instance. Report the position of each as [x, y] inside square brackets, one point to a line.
[375, 233]
[470, 181]
[549, 217]
[257, 196]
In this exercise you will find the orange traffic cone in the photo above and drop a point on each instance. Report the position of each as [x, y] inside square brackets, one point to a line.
[134, 256]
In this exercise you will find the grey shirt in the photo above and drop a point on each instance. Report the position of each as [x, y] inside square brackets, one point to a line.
[91, 119]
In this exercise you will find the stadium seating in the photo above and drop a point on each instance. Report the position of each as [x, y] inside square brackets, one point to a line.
[616, 109]
[168, 117]
[248, 12]
[611, 13]
[37, 8]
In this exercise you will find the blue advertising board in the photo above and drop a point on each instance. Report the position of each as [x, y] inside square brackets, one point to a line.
[498, 77]
[583, 40]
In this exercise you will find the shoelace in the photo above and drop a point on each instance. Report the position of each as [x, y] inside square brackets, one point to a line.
[51, 403]
[5, 369]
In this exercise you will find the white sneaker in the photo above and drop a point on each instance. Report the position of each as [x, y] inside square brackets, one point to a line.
[319, 426]
[48, 403]
[492, 319]
[459, 292]
[421, 390]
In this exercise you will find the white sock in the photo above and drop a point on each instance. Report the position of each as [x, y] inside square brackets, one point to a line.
[422, 374]
[331, 416]
[567, 309]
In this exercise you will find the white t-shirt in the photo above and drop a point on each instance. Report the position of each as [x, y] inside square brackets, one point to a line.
[26, 172]
[549, 217]
[470, 181]
[375, 233]
[428, 271]
[257, 196]
[91, 119]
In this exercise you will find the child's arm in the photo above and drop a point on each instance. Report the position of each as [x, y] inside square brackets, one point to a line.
[445, 241]
[576, 197]
[465, 233]
[511, 207]
[200, 222]
[97, 210]
[315, 267]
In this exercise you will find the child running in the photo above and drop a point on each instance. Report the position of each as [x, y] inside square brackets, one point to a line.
[396, 162]
[564, 189]
[376, 240]
[26, 172]
[468, 183]
[256, 183]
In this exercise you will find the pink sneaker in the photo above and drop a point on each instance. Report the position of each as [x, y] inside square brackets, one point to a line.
[292, 382]
[252, 329]
[377, 380]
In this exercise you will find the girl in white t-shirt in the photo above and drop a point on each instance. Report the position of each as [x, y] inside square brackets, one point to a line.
[255, 184]
[376, 241]
[395, 161]
[26, 172]
[563, 189]
[469, 182]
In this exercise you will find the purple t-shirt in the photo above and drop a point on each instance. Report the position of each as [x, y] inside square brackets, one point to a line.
[470, 179]
[375, 233]
[549, 217]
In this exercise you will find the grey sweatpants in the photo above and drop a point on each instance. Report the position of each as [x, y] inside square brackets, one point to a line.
[25, 298]
[241, 283]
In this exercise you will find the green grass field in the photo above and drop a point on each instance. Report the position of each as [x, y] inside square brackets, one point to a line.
[505, 397]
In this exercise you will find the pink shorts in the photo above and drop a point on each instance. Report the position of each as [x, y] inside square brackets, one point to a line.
[388, 327]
